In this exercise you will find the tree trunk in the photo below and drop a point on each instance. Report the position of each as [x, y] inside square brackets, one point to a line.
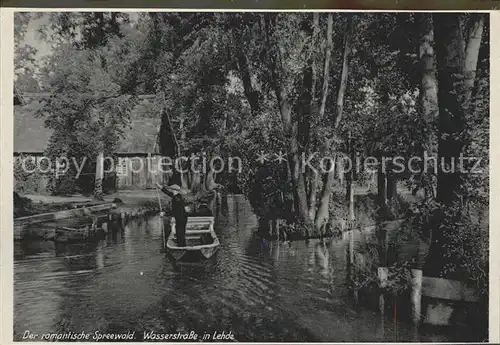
[456, 64]
[428, 87]
[314, 176]
[349, 184]
[300, 194]
[307, 95]
[391, 188]
[324, 209]
[250, 93]
[428, 95]
[470, 66]
[472, 54]
[323, 214]
[352, 215]
[345, 73]
[326, 69]
[450, 54]
[382, 187]
[210, 180]
[306, 110]
[196, 184]
[290, 125]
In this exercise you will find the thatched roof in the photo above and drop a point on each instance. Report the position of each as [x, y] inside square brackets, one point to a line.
[31, 135]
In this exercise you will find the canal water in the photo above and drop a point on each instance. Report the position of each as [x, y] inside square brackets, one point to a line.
[256, 290]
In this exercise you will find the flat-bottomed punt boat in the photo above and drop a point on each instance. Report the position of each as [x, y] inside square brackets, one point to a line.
[201, 241]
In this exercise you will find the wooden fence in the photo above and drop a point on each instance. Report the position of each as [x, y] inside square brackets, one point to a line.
[444, 292]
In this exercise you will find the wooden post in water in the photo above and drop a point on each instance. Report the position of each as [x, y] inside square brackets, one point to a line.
[351, 246]
[225, 204]
[383, 271]
[383, 274]
[351, 266]
[350, 198]
[278, 229]
[416, 295]
[99, 174]
[351, 230]
[350, 182]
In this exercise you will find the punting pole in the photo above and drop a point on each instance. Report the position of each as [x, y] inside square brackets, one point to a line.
[161, 218]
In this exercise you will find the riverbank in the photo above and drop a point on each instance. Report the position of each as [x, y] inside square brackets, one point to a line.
[132, 197]
[32, 204]
[43, 214]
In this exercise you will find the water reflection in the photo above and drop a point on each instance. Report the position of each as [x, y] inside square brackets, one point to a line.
[260, 290]
[322, 258]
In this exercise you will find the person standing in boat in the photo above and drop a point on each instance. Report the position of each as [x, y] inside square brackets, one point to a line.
[180, 199]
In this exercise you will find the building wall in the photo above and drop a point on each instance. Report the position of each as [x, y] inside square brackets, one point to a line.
[134, 172]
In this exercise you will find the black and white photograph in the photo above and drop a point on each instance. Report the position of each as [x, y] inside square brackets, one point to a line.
[214, 176]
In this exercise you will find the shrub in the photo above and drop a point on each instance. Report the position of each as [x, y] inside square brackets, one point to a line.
[467, 246]
[27, 182]
[465, 238]
[399, 279]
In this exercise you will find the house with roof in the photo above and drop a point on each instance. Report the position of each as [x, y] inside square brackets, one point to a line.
[31, 139]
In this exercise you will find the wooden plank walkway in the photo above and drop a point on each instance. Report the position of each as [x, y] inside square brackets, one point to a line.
[447, 289]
